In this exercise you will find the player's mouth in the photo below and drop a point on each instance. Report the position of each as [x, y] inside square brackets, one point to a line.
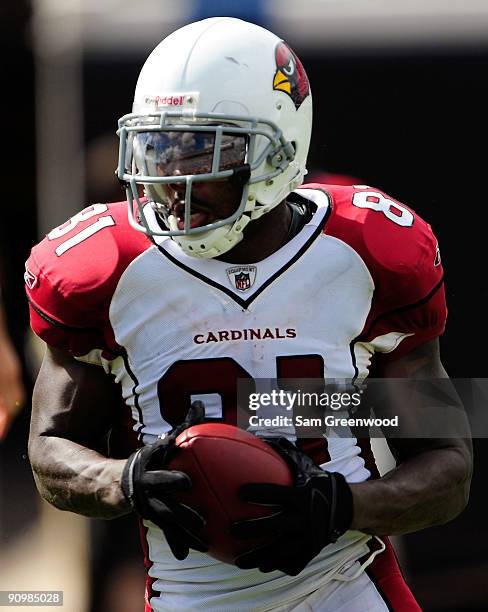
[197, 219]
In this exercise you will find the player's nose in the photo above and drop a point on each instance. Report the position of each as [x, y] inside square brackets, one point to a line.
[176, 187]
[177, 190]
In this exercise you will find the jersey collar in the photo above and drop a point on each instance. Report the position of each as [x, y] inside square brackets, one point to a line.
[214, 272]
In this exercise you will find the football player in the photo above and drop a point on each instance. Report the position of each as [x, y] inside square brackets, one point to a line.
[222, 265]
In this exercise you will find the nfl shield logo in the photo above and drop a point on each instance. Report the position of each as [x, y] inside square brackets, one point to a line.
[242, 277]
[243, 281]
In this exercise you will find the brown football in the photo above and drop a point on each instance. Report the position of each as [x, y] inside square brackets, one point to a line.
[219, 459]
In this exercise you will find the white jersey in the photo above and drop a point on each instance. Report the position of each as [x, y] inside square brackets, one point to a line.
[171, 328]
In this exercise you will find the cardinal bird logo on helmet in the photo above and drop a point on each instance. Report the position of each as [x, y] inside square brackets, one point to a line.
[290, 75]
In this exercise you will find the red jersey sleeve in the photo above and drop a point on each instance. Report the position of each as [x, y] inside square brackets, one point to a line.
[402, 256]
[72, 274]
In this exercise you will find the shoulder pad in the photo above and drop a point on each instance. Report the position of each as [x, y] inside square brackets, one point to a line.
[402, 256]
[72, 274]
[397, 246]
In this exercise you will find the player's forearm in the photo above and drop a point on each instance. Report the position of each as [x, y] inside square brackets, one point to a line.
[429, 489]
[75, 478]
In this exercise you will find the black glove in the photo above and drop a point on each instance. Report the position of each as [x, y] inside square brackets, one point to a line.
[149, 487]
[312, 513]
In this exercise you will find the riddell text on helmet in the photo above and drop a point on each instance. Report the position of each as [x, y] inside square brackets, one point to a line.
[169, 100]
[227, 335]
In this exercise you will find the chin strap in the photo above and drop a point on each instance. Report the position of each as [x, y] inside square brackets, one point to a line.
[223, 240]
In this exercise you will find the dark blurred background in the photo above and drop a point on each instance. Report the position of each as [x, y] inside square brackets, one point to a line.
[400, 101]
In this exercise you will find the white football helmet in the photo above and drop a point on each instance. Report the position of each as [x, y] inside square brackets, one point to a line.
[217, 99]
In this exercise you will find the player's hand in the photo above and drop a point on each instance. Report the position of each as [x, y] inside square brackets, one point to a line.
[312, 513]
[150, 489]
